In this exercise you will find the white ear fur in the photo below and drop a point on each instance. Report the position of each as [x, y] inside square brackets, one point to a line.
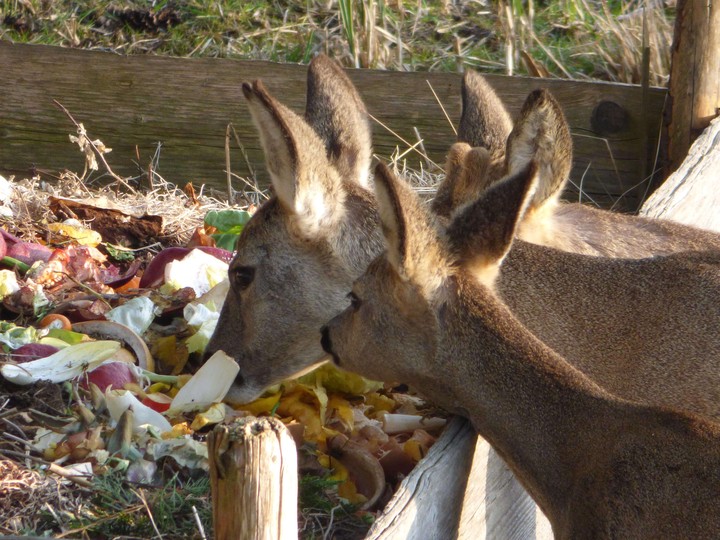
[304, 181]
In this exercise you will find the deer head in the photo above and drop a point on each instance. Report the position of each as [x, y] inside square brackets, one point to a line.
[598, 466]
[541, 133]
[299, 253]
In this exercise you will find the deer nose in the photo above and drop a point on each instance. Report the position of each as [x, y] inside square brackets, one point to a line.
[327, 344]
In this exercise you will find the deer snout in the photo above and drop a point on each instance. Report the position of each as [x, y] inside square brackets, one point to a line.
[326, 343]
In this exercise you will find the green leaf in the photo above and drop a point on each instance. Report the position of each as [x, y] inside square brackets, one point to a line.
[226, 221]
[118, 253]
[68, 336]
[226, 240]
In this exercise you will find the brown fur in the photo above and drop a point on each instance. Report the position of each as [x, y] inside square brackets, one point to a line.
[301, 258]
[300, 252]
[338, 115]
[598, 466]
[541, 133]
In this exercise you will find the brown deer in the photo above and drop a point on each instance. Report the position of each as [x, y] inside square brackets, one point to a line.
[298, 255]
[489, 147]
[597, 465]
[296, 260]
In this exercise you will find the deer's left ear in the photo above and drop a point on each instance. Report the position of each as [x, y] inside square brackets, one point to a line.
[481, 233]
[413, 245]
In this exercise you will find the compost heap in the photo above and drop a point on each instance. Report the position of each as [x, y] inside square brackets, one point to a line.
[109, 298]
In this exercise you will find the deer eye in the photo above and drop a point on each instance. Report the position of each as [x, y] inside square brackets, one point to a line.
[243, 276]
[355, 302]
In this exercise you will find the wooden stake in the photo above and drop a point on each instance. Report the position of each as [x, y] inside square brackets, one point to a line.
[253, 476]
[694, 75]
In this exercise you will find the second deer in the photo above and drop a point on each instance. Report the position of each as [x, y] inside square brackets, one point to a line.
[598, 466]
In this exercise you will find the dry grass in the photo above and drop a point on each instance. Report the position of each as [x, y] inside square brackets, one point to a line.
[561, 38]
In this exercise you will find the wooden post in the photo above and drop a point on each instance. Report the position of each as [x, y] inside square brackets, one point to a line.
[690, 195]
[462, 490]
[694, 76]
[253, 476]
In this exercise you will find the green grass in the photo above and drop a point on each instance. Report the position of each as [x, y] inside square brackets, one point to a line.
[569, 38]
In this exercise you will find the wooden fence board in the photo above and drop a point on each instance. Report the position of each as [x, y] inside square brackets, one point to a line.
[133, 102]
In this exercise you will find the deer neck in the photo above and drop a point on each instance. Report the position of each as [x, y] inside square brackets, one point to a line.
[539, 413]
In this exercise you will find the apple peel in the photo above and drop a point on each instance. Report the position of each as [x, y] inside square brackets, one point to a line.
[118, 401]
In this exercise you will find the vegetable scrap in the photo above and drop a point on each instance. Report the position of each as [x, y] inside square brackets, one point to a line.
[102, 304]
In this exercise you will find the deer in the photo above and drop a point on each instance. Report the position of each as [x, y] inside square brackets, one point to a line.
[296, 260]
[298, 256]
[489, 147]
[599, 466]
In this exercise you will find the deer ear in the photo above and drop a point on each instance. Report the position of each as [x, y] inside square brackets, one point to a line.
[484, 121]
[413, 246]
[481, 233]
[466, 176]
[336, 112]
[542, 134]
[304, 180]
[443, 202]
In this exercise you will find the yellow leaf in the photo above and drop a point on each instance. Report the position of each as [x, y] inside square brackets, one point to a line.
[306, 414]
[81, 235]
[337, 380]
[380, 403]
[214, 415]
[342, 409]
[178, 430]
[262, 405]
[348, 490]
[171, 353]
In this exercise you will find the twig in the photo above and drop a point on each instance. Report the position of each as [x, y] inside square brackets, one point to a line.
[53, 468]
[141, 495]
[231, 197]
[447, 117]
[413, 146]
[199, 524]
[98, 153]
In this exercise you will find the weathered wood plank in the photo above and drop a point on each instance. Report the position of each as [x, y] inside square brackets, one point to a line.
[136, 101]
[253, 479]
[463, 490]
[691, 195]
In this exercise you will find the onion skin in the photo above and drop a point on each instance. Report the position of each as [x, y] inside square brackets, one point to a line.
[55, 320]
[29, 252]
[32, 351]
[110, 374]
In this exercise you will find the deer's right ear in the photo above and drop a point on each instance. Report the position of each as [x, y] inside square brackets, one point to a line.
[484, 121]
[413, 246]
[305, 182]
[542, 134]
[466, 176]
[338, 115]
[481, 233]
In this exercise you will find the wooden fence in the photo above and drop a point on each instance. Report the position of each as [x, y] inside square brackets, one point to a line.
[133, 102]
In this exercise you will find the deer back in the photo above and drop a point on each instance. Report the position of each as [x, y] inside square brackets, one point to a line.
[541, 133]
